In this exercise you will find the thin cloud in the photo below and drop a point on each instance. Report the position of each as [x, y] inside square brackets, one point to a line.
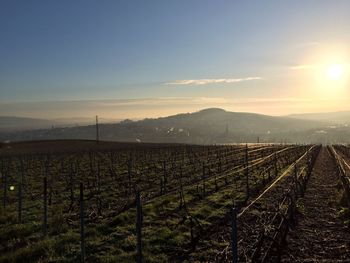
[308, 44]
[210, 81]
[304, 66]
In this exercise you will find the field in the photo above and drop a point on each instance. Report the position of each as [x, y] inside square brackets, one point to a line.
[71, 201]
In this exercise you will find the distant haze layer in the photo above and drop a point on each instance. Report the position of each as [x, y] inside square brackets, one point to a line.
[159, 107]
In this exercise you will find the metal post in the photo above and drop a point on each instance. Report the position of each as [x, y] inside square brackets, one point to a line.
[2, 169]
[275, 164]
[247, 170]
[45, 207]
[20, 193]
[192, 233]
[234, 235]
[5, 189]
[296, 179]
[129, 173]
[203, 179]
[139, 227]
[161, 186]
[82, 231]
[20, 203]
[164, 174]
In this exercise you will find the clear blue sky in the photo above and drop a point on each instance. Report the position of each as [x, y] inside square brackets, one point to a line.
[94, 50]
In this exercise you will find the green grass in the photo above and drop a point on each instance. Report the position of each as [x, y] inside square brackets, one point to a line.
[166, 226]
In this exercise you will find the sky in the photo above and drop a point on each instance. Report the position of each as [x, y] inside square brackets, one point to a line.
[137, 59]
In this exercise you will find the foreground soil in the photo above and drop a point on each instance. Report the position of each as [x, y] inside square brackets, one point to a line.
[319, 236]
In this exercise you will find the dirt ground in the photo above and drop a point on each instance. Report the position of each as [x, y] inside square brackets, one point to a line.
[319, 236]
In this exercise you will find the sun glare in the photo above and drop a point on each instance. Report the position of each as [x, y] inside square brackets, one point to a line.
[335, 71]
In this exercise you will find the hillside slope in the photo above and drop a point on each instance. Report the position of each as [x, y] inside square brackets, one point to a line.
[205, 126]
[10, 123]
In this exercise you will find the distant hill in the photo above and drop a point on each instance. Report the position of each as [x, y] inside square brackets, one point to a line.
[9, 123]
[340, 117]
[218, 119]
[206, 126]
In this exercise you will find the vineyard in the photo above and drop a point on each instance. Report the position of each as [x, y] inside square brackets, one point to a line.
[123, 202]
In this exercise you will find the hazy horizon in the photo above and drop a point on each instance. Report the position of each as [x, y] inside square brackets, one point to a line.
[161, 107]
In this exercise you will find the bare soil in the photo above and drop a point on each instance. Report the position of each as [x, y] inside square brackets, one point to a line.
[319, 235]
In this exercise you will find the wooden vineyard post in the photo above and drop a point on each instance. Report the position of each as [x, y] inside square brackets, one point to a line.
[45, 207]
[183, 155]
[82, 230]
[164, 175]
[139, 227]
[20, 193]
[20, 203]
[264, 179]
[247, 170]
[98, 184]
[220, 170]
[191, 232]
[2, 170]
[234, 240]
[47, 163]
[180, 196]
[5, 189]
[161, 186]
[129, 173]
[309, 164]
[296, 179]
[275, 164]
[203, 179]
[71, 190]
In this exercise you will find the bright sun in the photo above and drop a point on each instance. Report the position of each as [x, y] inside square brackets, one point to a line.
[335, 71]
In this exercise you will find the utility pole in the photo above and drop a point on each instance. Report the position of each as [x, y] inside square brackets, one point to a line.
[97, 130]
